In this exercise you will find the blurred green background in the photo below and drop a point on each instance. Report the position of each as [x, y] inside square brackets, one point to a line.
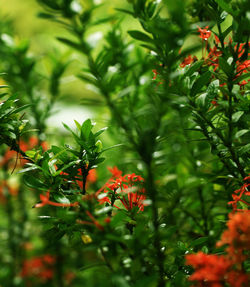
[75, 97]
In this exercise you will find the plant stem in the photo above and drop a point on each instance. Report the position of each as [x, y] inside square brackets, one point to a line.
[151, 189]
[106, 259]
[11, 238]
[203, 211]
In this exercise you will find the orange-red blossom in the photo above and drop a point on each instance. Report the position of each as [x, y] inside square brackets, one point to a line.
[213, 270]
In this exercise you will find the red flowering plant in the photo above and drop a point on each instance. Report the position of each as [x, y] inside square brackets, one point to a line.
[127, 189]
[184, 132]
[241, 197]
[218, 270]
[217, 95]
[38, 269]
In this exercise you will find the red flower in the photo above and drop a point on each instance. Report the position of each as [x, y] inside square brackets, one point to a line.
[242, 192]
[128, 189]
[208, 268]
[237, 236]
[237, 278]
[214, 103]
[41, 267]
[243, 83]
[241, 49]
[188, 60]
[217, 40]
[243, 67]
[218, 270]
[204, 33]
[115, 171]
[213, 57]
[131, 199]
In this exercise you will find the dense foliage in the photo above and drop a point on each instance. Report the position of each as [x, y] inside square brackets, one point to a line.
[161, 197]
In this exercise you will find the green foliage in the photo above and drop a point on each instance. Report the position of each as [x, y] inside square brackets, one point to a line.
[11, 126]
[180, 113]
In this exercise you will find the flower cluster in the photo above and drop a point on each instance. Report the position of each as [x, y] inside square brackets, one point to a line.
[239, 194]
[214, 53]
[237, 237]
[210, 268]
[216, 270]
[188, 60]
[204, 33]
[127, 189]
[40, 267]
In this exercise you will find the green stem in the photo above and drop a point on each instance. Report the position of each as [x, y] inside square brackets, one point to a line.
[106, 260]
[59, 266]
[203, 211]
[151, 189]
[11, 238]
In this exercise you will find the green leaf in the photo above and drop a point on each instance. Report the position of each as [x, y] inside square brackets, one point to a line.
[100, 131]
[19, 109]
[11, 135]
[124, 11]
[77, 139]
[226, 68]
[193, 68]
[32, 167]
[236, 116]
[241, 133]
[78, 125]
[99, 160]
[86, 129]
[114, 146]
[199, 241]
[202, 100]
[140, 36]
[6, 126]
[226, 7]
[72, 44]
[51, 165]
[61, 198]
[227, 31]
[244, 149]
[75, 162]
[45, 15]
[60, 153]
[88, 79]
[34, 182]
[200, 83]
[98, 145]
